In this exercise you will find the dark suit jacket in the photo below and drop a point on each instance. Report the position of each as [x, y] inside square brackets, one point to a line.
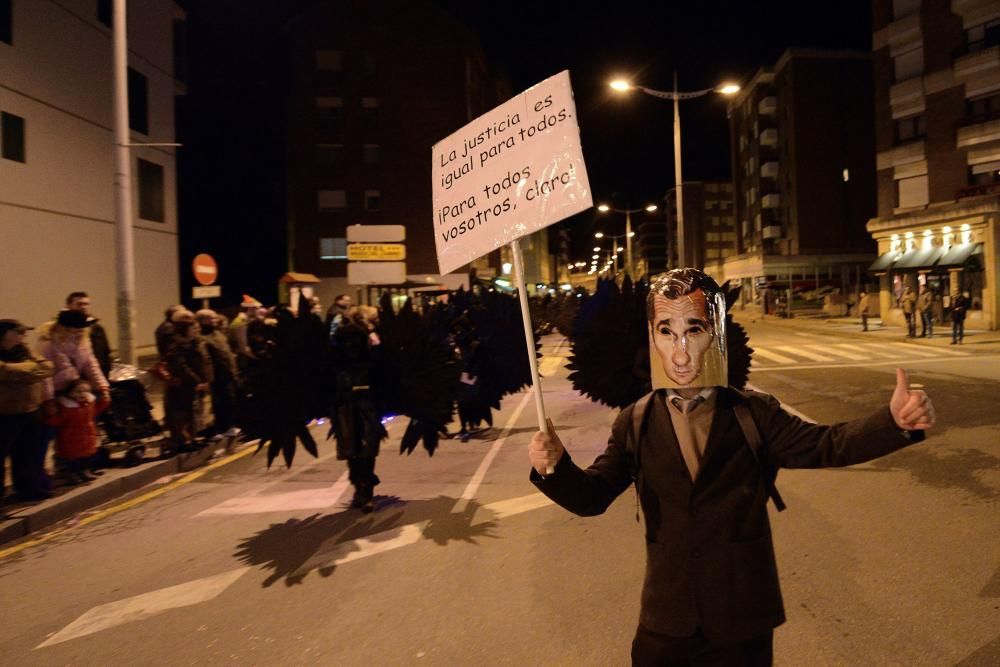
[709, 555]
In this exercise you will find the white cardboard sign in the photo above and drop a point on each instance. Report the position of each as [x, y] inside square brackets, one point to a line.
[512, 171]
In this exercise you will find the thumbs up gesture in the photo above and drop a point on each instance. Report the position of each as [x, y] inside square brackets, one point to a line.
[911, 408]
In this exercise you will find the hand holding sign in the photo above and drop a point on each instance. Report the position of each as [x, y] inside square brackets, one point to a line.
[911, 408]
[545, 449]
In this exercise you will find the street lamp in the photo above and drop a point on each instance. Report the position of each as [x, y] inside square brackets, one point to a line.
[621, 85]
[604, 208]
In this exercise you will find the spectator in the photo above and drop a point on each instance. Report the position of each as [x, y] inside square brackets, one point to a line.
[223, 385]
[925, 307]
[74, 413]
[66, 343]
[239, 339]
[959, 307]
[864, 305]
[908, 302]
[165, 332]
[190, 372]
[22, 390]
[80, 301]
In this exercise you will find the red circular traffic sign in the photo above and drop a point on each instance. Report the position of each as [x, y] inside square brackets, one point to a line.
[205, 269]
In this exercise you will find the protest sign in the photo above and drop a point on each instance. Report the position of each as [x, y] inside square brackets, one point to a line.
[512, 171]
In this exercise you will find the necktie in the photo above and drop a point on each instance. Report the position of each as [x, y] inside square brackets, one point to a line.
[686, 405]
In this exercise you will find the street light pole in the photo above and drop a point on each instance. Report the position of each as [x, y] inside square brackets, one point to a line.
[123, 190]
[678, 178]
[629, 266]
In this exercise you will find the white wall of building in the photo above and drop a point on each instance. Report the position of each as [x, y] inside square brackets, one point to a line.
[57, 208]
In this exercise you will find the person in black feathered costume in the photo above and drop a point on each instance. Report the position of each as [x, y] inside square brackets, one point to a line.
[354, 415]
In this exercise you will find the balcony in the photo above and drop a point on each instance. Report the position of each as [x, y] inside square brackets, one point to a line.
[978, 64]
[768, 106]
[769, 170]
[908, 93]
[978, 134]
[771, 232]
[900, 155]
[772, 200]
[903, 33]
[769, 137]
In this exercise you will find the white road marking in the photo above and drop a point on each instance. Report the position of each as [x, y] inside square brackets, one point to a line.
[143, 606]
[505, 508]
[839, 350]
[810, 335]
[922, 352]
[892, 362]
[773, 356]
[870, 350]
[789, 409]
[290, 501]
[802, 352]
[548, 366]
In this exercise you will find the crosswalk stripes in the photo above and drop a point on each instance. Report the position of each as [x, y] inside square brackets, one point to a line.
[802, 352]
[771, 356]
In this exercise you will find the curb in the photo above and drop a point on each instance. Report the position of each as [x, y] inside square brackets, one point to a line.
[31, 519]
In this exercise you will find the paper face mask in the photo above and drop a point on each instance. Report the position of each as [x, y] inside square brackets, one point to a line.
[687, 340]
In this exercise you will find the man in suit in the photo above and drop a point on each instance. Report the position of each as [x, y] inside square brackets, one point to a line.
[711, 593]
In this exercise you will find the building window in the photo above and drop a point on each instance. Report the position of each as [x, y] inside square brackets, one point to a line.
[12, 137]
[104, 13]
[903, 8]
[331, 200]
[373, 200]
[983, 108]
[333, 248]
[329, 155]
[369, 111]
[330, 61]
[908, 65]
[982, 36]
[984, 174]
[911, 192]
[7, 21]
[138, 102]
[150, 177]
[330, 109]
[910, 129]
[369, 154]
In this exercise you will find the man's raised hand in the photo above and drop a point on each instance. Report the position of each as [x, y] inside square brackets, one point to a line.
[911, 408]
[545, 450]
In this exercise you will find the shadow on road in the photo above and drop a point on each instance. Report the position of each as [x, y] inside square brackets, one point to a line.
[945, 468]
[298, 546]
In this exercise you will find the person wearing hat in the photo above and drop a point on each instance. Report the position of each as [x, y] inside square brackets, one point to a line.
[190, 371]
[223, 384]
[22, 390]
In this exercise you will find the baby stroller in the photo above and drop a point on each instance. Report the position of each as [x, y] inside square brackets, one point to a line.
[128, 423]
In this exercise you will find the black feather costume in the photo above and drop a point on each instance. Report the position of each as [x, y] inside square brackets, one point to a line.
[610, 351]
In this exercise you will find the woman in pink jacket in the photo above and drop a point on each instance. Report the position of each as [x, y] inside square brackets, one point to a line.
[66, 343]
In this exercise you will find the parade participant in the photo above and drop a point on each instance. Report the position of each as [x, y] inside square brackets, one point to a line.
[164, 333]
[355, 420]
[336, 313]
[80, 301]
[22, 390]
[73, 413]
[703, 457]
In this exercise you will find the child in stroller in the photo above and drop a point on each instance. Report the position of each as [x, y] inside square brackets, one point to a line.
[129, 420]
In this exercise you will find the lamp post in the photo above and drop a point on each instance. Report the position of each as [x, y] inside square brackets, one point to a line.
[604, 208]
[726, 89]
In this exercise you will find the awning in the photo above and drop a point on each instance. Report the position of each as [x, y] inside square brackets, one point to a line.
[884, 262]
[958, 255]
[919, 259]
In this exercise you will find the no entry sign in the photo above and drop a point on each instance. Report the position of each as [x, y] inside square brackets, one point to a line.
[205, 269]
[510, 172]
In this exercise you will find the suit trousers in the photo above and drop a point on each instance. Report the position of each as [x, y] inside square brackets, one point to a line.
[651, 649]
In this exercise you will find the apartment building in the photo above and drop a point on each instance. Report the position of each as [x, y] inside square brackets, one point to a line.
[57, 204]
[937, 112]
[373, 86]
[802, 146]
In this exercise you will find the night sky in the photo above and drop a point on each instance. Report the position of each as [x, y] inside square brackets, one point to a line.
[231, 120]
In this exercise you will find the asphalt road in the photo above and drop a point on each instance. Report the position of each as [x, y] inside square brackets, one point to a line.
[463, 563]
